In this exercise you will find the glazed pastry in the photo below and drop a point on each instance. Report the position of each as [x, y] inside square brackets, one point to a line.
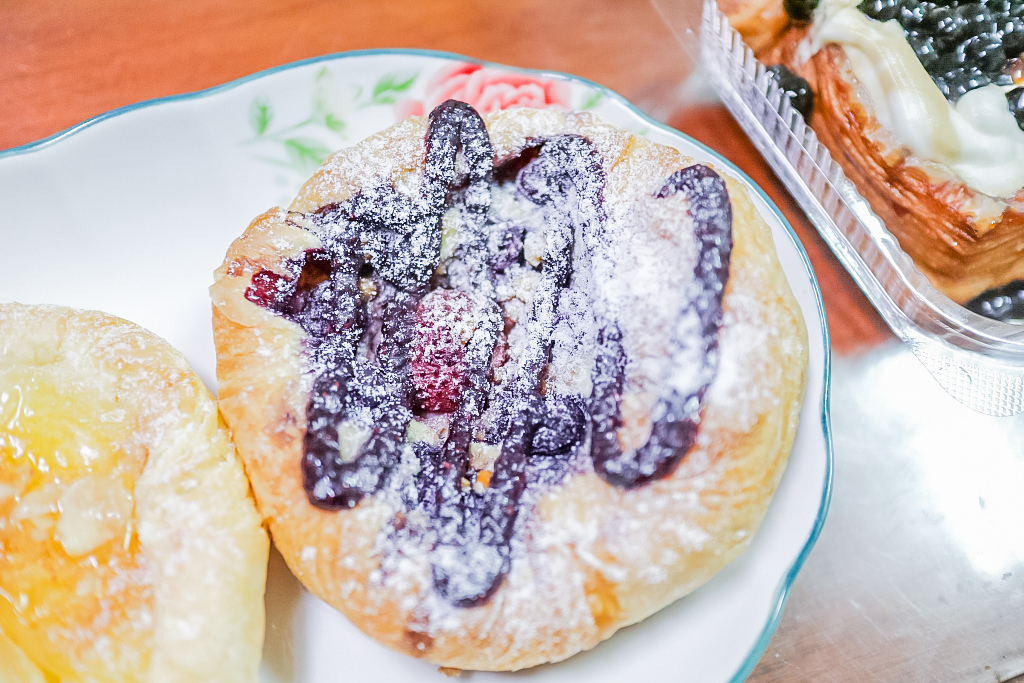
[920, 102]
[506, 385]
[130, 548]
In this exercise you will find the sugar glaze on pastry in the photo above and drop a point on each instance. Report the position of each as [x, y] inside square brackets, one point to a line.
[506, 385]
[130, 548]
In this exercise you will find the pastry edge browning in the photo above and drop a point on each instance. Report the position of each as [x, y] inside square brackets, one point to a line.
[725, 484]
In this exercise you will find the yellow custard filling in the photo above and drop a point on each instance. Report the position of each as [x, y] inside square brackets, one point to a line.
[73, 589]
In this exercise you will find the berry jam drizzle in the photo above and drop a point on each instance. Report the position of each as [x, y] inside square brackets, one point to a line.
[475, 540]
[674, 432]
[373, 304]
[359, 409]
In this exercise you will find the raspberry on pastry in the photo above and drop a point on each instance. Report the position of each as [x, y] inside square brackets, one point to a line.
[504, 385]
[130, 548]
[919, 102]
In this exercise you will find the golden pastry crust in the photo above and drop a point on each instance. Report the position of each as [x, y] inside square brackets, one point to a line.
[935, 220]
[965, 242]
[132, 550]
[596, 557]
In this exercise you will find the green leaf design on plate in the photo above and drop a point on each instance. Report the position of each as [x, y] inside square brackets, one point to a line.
[592, 100]
[329, 104]
[260, 116]
[306, 153]
[331, 110]
[390, 84]
[334, 123]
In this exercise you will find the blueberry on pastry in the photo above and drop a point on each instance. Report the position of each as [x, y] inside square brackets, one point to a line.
[504, 385]
[919, 102]
[130, 548]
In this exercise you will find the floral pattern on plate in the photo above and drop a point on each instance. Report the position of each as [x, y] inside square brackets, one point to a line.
[299, 147]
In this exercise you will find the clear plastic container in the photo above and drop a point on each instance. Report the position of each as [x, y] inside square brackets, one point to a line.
[978, 361]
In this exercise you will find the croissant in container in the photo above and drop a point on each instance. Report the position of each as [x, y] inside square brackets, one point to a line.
[920, 102]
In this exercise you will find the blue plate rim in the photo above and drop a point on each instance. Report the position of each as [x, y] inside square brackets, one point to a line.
[782, 592]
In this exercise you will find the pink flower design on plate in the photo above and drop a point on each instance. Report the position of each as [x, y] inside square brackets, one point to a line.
[487, 90]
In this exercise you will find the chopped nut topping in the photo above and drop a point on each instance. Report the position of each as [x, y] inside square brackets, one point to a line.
[483, 455]
[367, 287]
[351, 437]
[93, 511]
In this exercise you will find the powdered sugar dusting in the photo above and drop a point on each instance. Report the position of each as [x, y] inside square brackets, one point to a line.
[509, 310]
[749, 336]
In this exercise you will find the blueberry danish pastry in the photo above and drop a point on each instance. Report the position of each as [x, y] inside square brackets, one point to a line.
[504, 385]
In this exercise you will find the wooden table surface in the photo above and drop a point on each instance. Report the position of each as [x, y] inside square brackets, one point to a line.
[62, 62]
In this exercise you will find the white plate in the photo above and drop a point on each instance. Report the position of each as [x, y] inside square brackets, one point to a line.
[132, 211]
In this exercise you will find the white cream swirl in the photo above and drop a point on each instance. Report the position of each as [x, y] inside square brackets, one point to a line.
[977, 139]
